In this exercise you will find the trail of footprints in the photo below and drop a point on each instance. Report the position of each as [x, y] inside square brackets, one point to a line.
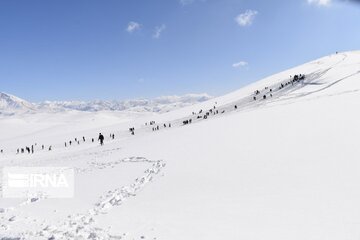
[82, 226]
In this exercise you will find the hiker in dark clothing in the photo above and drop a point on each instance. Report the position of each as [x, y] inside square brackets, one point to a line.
[32, 149]
[132, 130]
[92, 140]
[101, 139]
[84, 139]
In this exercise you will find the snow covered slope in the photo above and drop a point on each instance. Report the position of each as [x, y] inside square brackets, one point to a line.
[10, 104]
[281, 167]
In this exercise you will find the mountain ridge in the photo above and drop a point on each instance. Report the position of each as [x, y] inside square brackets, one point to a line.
[12, 104]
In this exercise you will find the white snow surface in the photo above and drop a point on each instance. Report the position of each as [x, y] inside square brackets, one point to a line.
[284, 167]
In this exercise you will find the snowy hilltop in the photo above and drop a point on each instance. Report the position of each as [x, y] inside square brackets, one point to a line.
[10, 104]
[277, 159]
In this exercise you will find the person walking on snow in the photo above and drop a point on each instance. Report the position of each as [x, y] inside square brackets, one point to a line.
[101, 139]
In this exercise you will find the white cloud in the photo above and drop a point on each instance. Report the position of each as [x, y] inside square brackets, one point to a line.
[240, 64]
[246, 18]
[158, 30]
[320, 2]
[133, 26]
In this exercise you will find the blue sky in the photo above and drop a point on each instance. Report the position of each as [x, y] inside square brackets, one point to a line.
[122, 49]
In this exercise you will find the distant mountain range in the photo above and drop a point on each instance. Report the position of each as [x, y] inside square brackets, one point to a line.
[10, 104]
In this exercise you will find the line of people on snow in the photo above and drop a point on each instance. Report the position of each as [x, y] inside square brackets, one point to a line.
[157, 127]
[200, 115]
[204, 115]
[292, 81]
[101, 139]
[30, 149]
[150, 123]
[269, 93]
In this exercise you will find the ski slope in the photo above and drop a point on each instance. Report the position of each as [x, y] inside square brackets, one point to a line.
[284, 167]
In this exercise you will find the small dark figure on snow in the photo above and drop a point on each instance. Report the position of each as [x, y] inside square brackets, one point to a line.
[101, 139]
